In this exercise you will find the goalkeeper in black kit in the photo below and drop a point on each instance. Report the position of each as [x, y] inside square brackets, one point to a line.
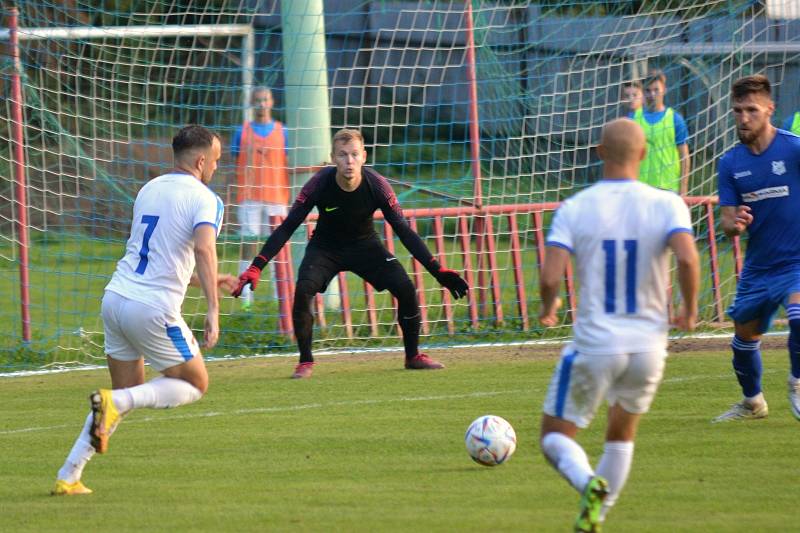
[346, 196]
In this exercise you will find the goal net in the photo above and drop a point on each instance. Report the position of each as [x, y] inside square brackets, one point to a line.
[483, 114]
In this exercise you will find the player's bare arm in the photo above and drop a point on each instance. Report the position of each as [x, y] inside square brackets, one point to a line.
[225, 282]
[735, 219]
[685, 250]
[555, 264]
[205, 252]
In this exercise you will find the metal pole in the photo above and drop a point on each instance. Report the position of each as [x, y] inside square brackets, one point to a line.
[479, 225]
[307, 107]
[474, 129]
[19, 172]
[248, 67]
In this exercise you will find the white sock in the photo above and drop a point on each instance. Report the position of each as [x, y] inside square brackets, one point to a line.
[758, 399]
[159, 393]
[79, 455]
[247, 294]
[568, 458]
[122, 399]
[614, 465]
[273, 280]
[163, 393]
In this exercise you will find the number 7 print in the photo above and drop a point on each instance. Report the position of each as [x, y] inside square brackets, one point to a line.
[151, 221]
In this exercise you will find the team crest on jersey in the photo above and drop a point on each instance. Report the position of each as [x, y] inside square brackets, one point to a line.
[778, 168]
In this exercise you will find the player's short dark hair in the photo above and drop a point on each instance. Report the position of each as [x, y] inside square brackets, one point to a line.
[191, 137]
[757, 83]
[346, 135]
[636, 84]
[655, 75]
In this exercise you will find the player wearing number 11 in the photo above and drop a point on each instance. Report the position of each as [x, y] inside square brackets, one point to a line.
[620, 232]
[176, 220]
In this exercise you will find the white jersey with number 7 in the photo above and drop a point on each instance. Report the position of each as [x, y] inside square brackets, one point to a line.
[159, 256]
[617, 231]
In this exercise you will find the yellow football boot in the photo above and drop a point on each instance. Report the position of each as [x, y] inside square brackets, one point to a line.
[63, 488]
[105, 418]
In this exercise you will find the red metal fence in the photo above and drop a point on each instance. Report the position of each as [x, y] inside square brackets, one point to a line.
[476, 237]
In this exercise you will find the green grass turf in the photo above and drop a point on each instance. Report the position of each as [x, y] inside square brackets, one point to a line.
[366, 446]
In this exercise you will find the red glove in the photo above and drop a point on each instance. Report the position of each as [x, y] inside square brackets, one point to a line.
[251, 276]
[449, 279]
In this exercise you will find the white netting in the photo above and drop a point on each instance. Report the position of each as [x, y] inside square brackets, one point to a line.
[105, 90]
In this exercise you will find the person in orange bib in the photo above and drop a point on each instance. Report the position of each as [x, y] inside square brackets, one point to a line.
[262, 179]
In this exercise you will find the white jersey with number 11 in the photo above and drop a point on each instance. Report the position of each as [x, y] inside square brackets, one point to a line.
[617, 231]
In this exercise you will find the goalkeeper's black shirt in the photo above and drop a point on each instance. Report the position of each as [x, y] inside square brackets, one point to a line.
[345, 218]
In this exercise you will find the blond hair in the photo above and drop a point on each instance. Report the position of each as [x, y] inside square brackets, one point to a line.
[346, 135]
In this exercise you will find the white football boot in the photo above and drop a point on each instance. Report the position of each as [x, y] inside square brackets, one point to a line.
[743, 410]
[794, 396]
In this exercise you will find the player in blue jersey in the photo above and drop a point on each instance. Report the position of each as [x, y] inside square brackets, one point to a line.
[759, 193]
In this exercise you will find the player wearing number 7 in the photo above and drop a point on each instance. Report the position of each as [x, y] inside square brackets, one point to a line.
[620, 232]
[176, 220]
[346, 196]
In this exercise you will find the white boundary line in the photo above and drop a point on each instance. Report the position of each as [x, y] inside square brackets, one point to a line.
[343, 403]
[286, 408]
[59, 368]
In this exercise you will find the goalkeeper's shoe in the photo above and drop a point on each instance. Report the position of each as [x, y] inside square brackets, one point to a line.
[303, 370]
[794, 396]
[63, 488]
[105, 418]
[588, 520]
[423, 362]
[743, 410]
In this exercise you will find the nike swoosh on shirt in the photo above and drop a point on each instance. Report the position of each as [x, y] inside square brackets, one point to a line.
[391, 259]
[329, 209]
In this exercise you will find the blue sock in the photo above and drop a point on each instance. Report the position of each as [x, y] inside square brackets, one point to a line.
[793, 312]
[747, 365]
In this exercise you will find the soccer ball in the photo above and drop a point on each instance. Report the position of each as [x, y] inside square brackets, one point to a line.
[490, 440]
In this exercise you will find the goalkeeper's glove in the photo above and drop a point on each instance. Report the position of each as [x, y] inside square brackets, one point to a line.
[251, 276]
[449, 279]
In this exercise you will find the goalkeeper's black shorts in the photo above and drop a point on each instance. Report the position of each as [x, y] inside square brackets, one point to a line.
[369, 259]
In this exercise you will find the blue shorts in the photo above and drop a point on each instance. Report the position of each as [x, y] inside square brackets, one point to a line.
[759, 294]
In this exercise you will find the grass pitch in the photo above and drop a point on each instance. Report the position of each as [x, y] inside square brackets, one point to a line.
[367, 446]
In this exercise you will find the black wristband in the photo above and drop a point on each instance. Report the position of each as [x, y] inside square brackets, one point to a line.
[434, 267]
[260, 262]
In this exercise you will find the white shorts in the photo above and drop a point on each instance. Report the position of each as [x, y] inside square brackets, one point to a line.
[134, 330]
[580, 382]
[254, 217]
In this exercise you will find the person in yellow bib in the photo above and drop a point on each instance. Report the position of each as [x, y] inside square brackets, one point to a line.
[667, 163]
[631, 97]
[793, 123]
